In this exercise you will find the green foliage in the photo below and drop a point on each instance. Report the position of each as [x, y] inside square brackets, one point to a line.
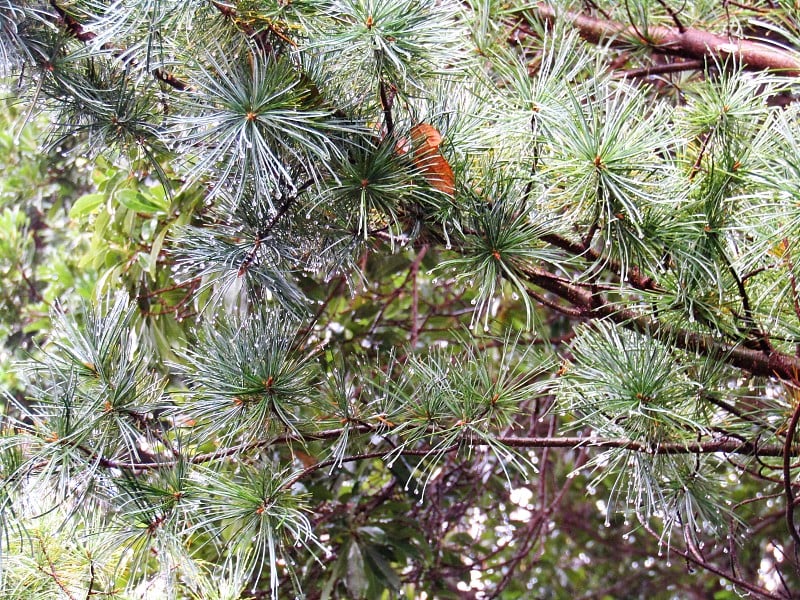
[247, 378]
[398, 298]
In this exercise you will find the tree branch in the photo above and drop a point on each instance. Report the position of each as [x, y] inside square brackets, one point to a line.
[79, 32]
[758, 362]
[583, 249]
[691, 43]
[787, 474]
[750, 587]
[673, 67]
[725, 444]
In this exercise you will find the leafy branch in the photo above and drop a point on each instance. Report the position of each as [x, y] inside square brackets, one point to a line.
[724, 444]
[592, 306]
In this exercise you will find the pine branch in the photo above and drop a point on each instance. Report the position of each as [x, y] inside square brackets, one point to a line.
[257, 36]
[634, 275]
[750, 587]
[673, 67]
[691, 43]
[387, 99]
[725, 444]
[263, 235]
[79, 32]
[787, 475]
[72, 25]
[52, 570]
[758, 362]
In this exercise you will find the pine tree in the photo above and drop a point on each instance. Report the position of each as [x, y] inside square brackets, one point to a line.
[399, 298]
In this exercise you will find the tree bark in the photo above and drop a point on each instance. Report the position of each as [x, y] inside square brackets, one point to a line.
[689, 43]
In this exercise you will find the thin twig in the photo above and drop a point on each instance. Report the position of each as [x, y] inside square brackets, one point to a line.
[699, 160]
[792, 278]
[594, 5]
[749, 320]
[90, 587]
[726, 445]
[367, 455]
[787, 473]
[761, 592]
[52, 572]
[774, 364]
[387, 99]
[673, 67]
[560, 308]
[412, 269]
[673, 15]
[79, 32]
[264, 233]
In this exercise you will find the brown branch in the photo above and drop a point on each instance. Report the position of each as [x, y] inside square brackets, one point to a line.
[170, 79]
[387, 99]
[189, 282]
[723, 444]
[593, 4]
[673, 15]
[583, 249]
[246, 27]
[74, 28]
[264, 233]
[727, 445]
[564, 310]
[752, 588]
[52, 572]
[787, 472]
[691, 43]
[415, 296]
[35, 294]
[330, 434]
[532, 532]
[396, 293]
[367, 455]
[673, 67]
[699, 160]
[90, 586]
[775, 364]
[79, 32]
[792, 279]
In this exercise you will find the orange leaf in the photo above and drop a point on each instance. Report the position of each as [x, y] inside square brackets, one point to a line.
[425, 141]
[307, 460]
[438, 173]
[426, 135]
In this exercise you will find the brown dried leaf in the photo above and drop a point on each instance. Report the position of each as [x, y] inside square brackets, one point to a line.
[425, 141]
